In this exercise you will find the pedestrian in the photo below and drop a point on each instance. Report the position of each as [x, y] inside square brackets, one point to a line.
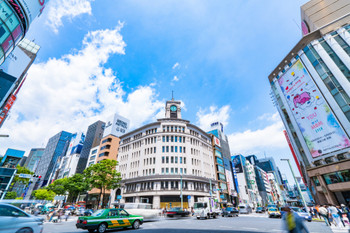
[322, 210]
[292, 222]
[340, 213]
[66, 214]
[346, 213]
[333, 211]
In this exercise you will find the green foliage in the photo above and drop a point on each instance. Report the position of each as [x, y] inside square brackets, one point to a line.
[59, 186]
[11, 195]
[44, 194]
[19, 198]
[103, 176]
[22, 170]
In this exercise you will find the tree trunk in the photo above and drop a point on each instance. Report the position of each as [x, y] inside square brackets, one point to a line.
[99, 198]
[103, 196]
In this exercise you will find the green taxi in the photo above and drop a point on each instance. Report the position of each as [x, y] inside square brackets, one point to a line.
[105, 219]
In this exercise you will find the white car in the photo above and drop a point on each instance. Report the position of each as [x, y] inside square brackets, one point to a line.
[15, 220]
[143, 209]
[245, 209]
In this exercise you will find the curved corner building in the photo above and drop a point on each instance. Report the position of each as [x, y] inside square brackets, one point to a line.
[16, 17]
[156, 158]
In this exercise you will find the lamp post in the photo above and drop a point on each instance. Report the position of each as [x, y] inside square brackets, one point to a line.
[296, 182]
[181, 192]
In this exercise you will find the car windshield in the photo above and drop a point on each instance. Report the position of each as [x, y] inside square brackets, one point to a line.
[259, 208]
[272, 209]
[296, 209]
[97, 213]
[242, 207]
[229, 209]
[200, 205]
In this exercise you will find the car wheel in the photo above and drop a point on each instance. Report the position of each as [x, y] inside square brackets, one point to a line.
[198, 218]
[25, 230]
[102, 228]
[222, 215]
[136, 224]
[214, 215]
[91, 230]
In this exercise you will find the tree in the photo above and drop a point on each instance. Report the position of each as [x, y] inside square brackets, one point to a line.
[44, 194]
[103, 176]
[11, 195]
[58, 186]
[22, 170]
[75, 185]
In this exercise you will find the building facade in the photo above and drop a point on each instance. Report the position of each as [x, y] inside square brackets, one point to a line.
[154, 160]
[93, 138]
[55, 147]
[311, 89]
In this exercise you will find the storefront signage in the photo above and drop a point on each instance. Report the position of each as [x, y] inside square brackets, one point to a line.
[317, 123]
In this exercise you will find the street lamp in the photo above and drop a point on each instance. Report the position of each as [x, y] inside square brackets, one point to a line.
[296, 182]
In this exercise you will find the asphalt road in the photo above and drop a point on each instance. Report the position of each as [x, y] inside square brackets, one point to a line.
[242, 224]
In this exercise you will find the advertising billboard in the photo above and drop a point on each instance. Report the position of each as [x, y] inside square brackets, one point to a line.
[316, 121]
[117, 126]
[32, 8]
[217, 141]
[16, 63]
[238, 163]
[76, 143]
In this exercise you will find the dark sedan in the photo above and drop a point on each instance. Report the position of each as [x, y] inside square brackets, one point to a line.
[177, 211]
[260, 210]
[230, 212]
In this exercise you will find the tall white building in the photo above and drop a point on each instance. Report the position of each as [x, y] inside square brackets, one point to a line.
[154, 159]
[311, 89]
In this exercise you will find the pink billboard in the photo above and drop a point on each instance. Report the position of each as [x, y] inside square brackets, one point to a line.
[316, 121]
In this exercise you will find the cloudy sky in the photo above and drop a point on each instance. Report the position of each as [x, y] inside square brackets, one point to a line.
[106, 56]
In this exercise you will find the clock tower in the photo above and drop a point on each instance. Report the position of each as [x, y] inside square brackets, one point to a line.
[173, 109]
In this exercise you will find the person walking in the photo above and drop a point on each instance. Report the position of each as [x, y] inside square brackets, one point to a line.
[333, 211]
[346, 212]
[322, 210]
[292, 222]
[66, 214]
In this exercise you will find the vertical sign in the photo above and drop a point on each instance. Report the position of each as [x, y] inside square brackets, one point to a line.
[316, 121]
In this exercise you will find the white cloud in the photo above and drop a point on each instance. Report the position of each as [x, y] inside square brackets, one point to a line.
[66, 8]
[175, 79]
[207, 116]
[71, 92]
[176, 65]
[255, 141]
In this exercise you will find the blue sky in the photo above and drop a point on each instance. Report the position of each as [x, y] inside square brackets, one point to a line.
[105, 56]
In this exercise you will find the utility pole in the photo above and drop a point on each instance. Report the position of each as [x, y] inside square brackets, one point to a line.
[296, 182]
[8, 185]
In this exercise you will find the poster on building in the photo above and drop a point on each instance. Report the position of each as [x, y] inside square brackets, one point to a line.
[116, 126]
[317, 123]
[237, 161]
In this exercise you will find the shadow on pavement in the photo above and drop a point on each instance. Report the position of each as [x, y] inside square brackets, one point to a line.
[162, 230]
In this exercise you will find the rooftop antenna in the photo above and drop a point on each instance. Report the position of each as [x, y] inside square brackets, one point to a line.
[172, 95]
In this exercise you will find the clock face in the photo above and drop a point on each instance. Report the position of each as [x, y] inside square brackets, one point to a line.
[173, 108]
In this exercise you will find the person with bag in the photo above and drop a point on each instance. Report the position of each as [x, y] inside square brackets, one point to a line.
[333, 211]
[322, 210]
[293, 223]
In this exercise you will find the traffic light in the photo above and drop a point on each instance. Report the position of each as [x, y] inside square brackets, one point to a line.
[37, 176]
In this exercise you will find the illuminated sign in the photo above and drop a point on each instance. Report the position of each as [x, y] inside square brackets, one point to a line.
[217, 141]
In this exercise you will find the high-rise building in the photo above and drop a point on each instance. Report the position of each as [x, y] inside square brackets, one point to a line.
[93, 138]
[311, 90]
[11, 158]
[55, 148]
[156, 158]
[12, 74]
[34, 158]
[16, 17]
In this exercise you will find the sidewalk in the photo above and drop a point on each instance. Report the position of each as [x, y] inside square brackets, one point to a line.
[340, 230]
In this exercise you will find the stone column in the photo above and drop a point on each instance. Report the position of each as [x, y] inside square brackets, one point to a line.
[156, 202]
[328, 194]
[137, 199]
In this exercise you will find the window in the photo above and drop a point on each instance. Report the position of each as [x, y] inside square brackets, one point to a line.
[113, 213]
[172, 148]
[175, 138]
[316, 181]
[167, 138]
[180, 139]
[172, 159]
[167, 171]
[162, 171]
[163, 138]
[176, 159]
[183, 139]
[185, 171]
[154, 150]
[175, 148]
[167, 148]
[184, 149]
[172, 170]
[163, 149]
[122, 213]
[184, 160]
[172, 138]
[219, 161]
[180, 159]
[154, 160]
[181, 170]
[9, 211]
[167, 159]
[163, 159]
[176, 171]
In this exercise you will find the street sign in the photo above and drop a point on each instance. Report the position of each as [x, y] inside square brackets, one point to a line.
[188, 197]
[119, 197]
[26, 176]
